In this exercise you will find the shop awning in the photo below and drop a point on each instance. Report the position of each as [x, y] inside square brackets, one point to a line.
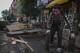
[56, 2]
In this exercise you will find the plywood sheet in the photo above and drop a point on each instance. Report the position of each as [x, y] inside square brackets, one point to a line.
[15, 27]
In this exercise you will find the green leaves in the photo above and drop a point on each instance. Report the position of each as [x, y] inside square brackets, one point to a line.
[6, 13]
[29, 7]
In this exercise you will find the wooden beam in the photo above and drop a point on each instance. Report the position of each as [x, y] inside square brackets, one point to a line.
[28, 46]
[22, 41]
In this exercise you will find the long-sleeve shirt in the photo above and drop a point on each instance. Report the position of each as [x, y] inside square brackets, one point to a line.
[62, 20]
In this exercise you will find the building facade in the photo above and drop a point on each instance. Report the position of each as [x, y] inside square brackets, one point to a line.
[14, 8]
[39, 2]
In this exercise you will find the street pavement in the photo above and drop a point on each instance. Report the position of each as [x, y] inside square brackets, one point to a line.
[7, 47]
[37, 43]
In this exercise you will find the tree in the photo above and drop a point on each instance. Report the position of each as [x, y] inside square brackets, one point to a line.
[28, 7]
[7, 15]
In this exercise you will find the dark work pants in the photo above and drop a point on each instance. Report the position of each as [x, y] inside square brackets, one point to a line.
[55, 28]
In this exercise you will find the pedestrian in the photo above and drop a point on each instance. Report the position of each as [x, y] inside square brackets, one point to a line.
[56, 21]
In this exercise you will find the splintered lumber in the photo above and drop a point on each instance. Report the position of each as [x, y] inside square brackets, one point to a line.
[33, 30]
[24, 31]
[22, 41]
[17, 40]
[15, 32]
[29, 47]
[15, 27]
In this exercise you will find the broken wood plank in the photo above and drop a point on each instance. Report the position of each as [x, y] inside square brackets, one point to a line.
[15, 27]
[9, 28]
[22, 41]
[17, 40]
[15, 32]
[29, 47]
[26, 31]
[33, 30]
